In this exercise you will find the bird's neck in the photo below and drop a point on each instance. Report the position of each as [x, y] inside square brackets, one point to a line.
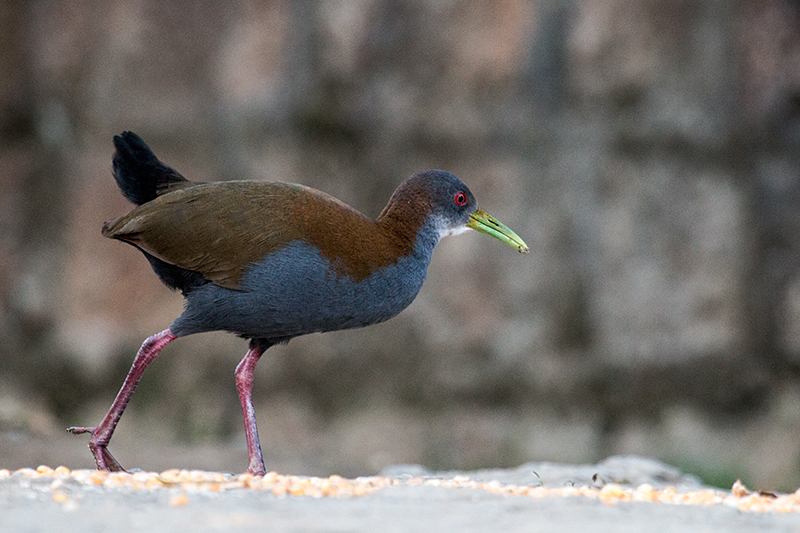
[406, 219]
[417, 236]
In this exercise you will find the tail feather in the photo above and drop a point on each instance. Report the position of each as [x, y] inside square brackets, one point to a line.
[142, 177]
[139, 174]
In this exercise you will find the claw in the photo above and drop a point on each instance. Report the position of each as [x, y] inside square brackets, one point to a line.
[107, 462]
[80, 430]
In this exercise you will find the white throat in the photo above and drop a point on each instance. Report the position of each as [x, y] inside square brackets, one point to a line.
[457, 230]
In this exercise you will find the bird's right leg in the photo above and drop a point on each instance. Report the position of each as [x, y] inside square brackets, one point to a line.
[101, 435]
[244, 386]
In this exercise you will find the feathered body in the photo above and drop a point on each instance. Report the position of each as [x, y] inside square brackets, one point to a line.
[271, 260]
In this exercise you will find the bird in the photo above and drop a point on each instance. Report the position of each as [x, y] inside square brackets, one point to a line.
[270, 261]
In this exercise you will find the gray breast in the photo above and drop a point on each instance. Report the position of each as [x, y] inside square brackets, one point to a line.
[295, 291]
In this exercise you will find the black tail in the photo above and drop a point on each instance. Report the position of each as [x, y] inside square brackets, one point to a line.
[142, 177]
[139, 174]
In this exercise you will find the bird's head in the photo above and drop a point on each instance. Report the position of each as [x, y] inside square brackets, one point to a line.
[442, 199]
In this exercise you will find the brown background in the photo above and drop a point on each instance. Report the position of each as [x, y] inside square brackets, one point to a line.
[648, 152]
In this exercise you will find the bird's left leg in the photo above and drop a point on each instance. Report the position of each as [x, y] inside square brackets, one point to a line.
[101, 434]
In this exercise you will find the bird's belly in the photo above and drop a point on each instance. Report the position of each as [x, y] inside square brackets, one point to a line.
[295, 291]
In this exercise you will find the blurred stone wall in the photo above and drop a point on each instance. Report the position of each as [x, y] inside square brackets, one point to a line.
[647, 151]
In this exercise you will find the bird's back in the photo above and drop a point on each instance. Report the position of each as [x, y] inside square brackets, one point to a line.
[218, 229]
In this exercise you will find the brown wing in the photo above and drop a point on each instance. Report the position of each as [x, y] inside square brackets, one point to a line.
[218, 229]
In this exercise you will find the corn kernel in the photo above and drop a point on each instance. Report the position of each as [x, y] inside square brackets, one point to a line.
[179, 500]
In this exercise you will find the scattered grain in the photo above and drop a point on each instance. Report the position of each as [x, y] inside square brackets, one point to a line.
[198, 481]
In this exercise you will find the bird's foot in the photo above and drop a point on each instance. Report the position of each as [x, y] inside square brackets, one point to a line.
[257, 468]
[102, 457]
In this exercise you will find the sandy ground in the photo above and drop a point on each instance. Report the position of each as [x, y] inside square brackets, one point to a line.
[411, 500]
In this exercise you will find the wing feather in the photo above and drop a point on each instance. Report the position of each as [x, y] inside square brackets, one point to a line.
[216, 229]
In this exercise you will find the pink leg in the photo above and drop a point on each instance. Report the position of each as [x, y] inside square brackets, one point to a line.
[101, 435]
[244, 385]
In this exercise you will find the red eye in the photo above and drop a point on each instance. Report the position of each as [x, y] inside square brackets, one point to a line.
[460, 199]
